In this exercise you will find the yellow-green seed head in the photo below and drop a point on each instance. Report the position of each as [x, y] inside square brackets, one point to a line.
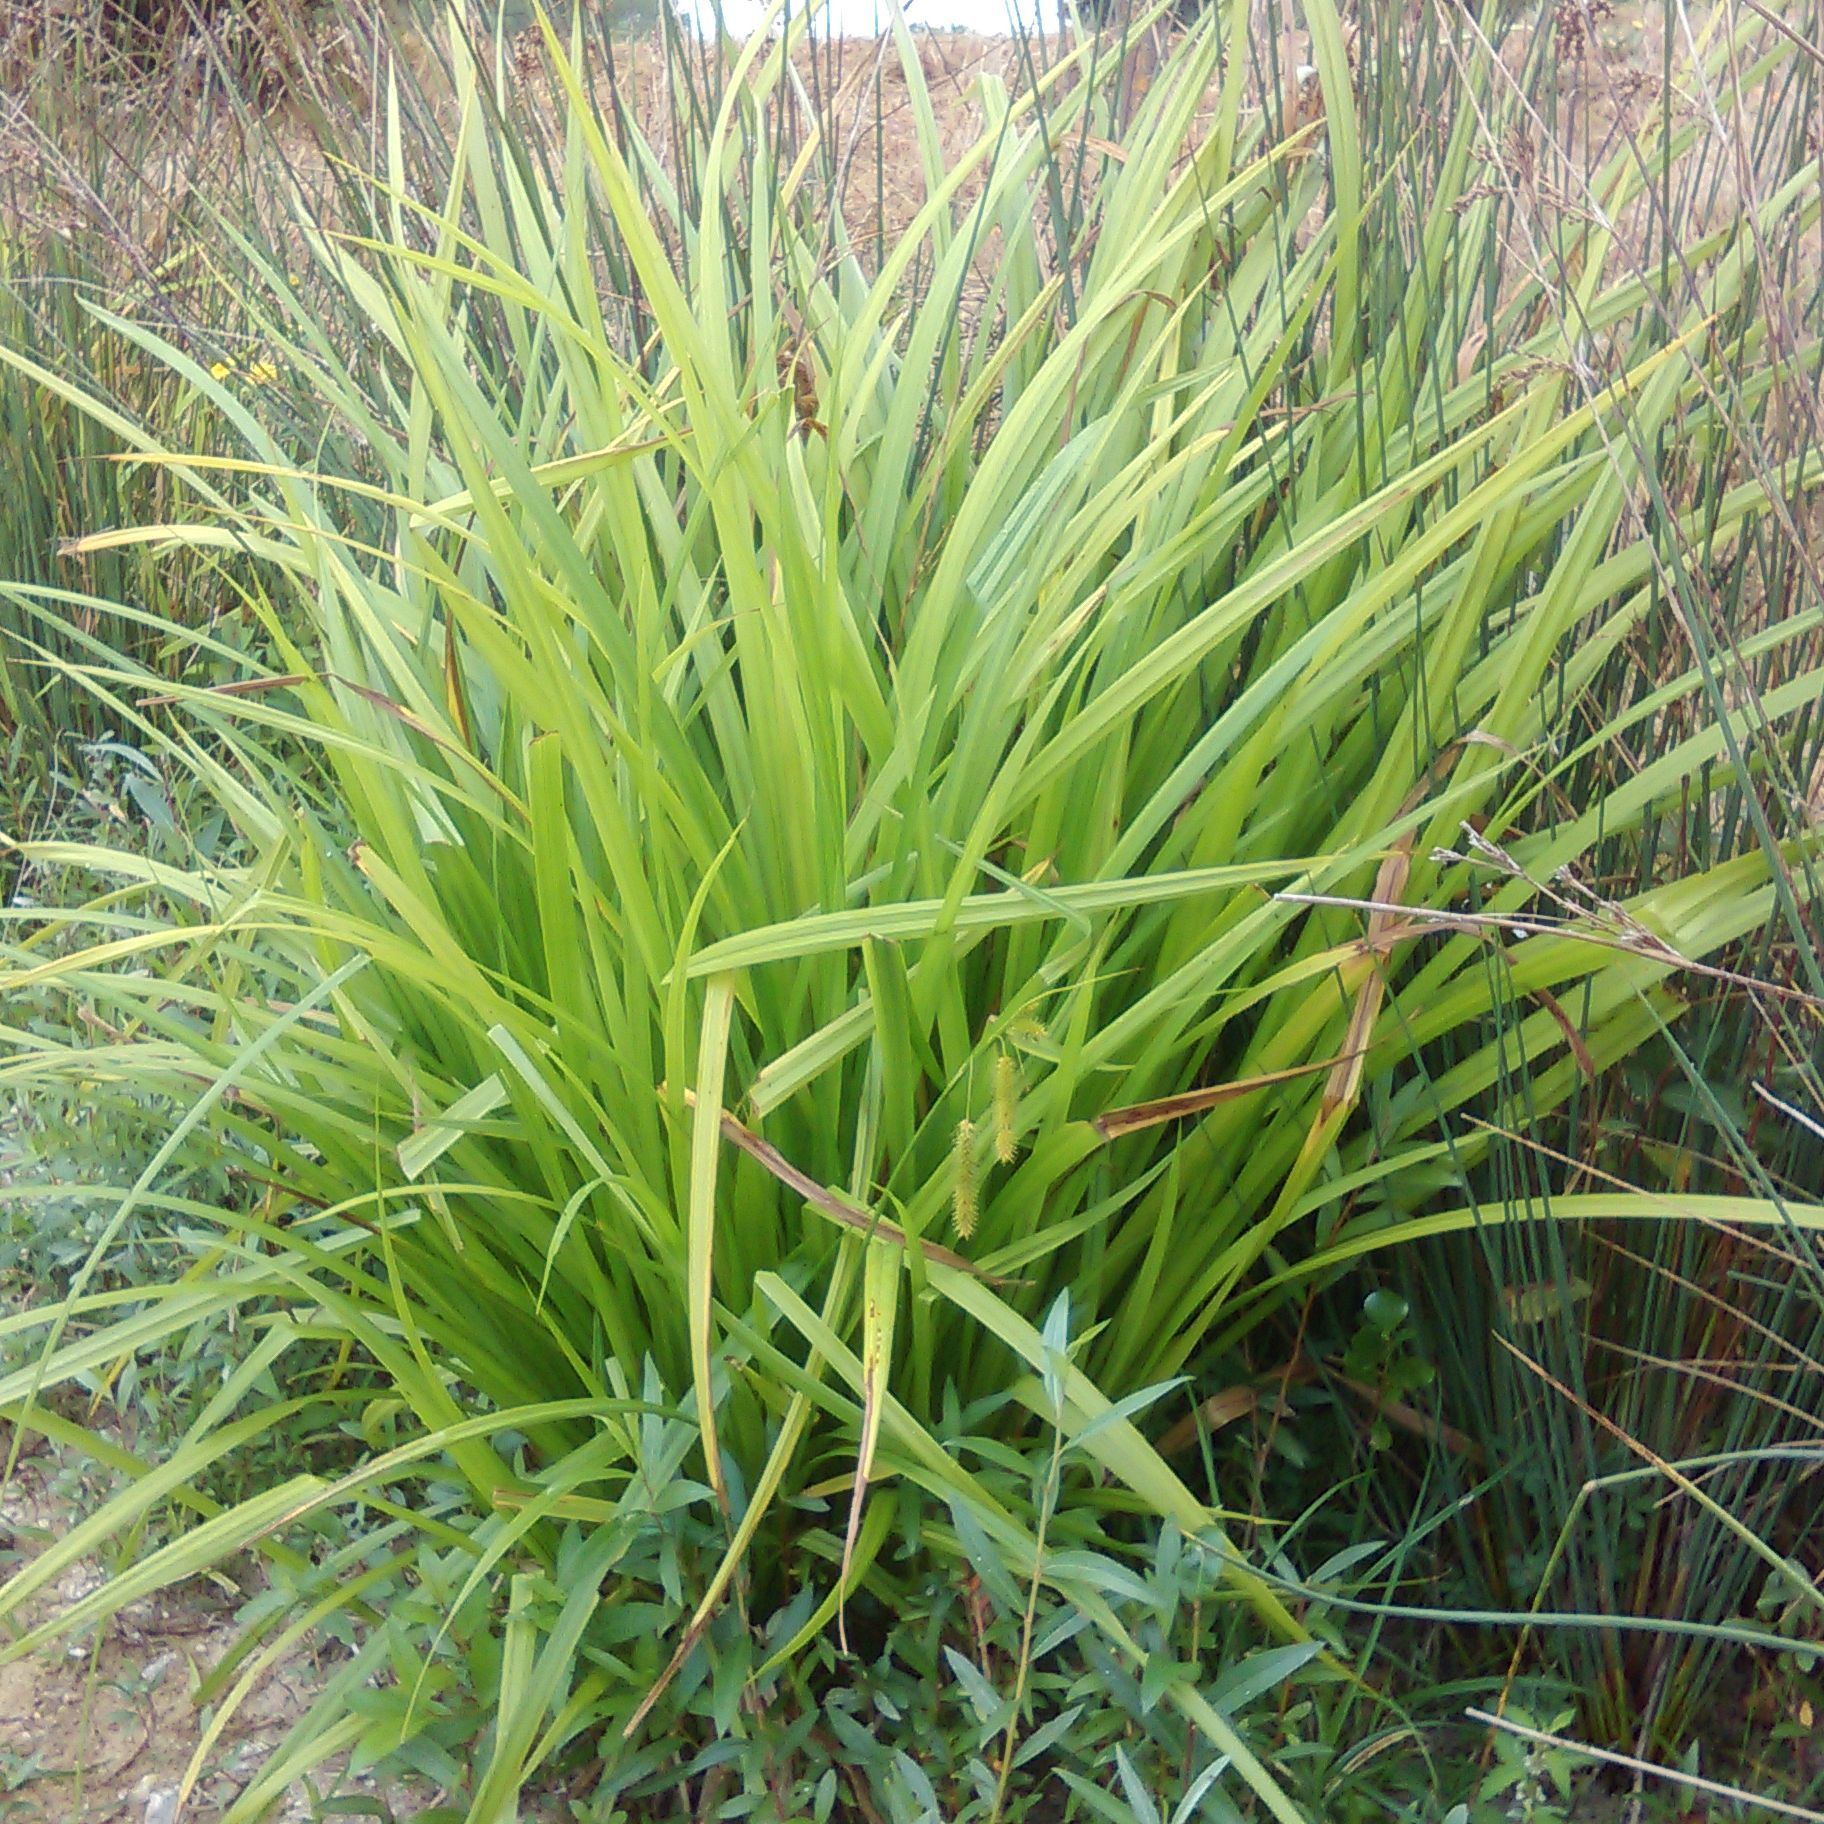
[1006, 1109]
[964, 1203]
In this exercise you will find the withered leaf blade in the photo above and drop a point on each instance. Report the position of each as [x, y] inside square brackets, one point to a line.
[1345, 1083]
[826, 1202]
[1116, 1122]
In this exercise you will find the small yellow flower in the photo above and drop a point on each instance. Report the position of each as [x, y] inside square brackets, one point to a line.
[255, 373]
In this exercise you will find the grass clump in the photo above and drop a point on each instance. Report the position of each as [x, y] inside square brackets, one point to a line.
[845, 864]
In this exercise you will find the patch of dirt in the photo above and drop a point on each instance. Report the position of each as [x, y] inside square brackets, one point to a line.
[107, 1727]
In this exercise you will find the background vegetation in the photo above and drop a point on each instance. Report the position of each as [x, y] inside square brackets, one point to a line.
[894, 947]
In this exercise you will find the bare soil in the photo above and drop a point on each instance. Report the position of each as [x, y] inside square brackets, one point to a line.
[106, 1727]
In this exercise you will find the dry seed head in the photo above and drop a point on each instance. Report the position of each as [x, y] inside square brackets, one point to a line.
[1006, 1107]
[964, 1202]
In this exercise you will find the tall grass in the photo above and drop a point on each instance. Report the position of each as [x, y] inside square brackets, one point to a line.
[1685, 1342]
[135, 159]
[800, 812]
[104, 200]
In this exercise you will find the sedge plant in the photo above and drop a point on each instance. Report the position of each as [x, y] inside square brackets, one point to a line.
[811, 798]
